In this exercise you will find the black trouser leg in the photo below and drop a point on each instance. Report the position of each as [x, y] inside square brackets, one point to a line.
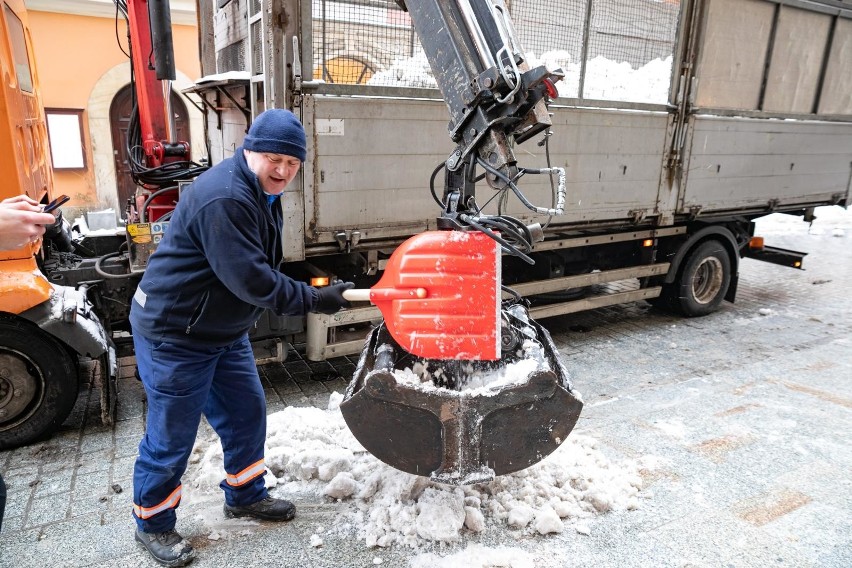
[2, 500]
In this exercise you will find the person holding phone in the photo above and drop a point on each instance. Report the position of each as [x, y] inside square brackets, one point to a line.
[22, 221]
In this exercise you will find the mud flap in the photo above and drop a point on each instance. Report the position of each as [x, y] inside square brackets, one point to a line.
[455, 435]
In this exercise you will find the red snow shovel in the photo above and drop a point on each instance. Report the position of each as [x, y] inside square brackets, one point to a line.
[440, 295]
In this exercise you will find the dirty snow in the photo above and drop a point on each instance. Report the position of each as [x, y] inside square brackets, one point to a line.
[312, 455]
[80, 228]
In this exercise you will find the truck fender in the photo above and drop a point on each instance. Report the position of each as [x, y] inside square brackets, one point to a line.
[720, 233]
[68, 316]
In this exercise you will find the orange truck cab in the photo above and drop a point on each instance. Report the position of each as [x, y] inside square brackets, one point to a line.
[45, 328]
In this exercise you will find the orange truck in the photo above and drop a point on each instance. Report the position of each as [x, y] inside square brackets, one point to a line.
[46, 330]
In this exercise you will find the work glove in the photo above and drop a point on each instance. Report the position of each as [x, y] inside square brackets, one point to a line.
[330, 299]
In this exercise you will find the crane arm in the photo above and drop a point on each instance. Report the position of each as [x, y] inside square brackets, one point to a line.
[152, 54]
[494, 97]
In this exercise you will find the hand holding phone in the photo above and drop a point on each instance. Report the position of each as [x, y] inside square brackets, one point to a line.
[55, 203]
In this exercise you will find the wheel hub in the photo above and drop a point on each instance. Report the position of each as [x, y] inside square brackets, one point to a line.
[19, 387]
[708, 280]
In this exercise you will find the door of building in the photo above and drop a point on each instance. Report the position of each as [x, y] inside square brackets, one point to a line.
[119, 118]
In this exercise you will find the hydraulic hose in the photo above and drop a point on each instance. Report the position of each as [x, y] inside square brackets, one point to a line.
[143, 214]
[99, 263]
[560, 192]
[507, 247]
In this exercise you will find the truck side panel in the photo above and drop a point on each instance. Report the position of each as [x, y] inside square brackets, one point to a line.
[837, 90]
[371, 165]
[751, 91]
[612, 160]
[361, 146]
[749, 163]
[226, 130]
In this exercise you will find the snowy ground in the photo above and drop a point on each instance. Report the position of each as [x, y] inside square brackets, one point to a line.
[716, 441]
[835, 221]
[311, 454]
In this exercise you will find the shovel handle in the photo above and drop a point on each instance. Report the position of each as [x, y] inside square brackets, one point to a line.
[357, 294]
[367, 294]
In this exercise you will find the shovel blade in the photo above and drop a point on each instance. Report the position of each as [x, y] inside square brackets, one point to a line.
[459, 315]
[457, 436]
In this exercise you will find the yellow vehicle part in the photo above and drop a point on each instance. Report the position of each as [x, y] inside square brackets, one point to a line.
[22, 285]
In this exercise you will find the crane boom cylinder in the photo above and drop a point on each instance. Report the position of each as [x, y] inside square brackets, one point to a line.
[493, 96]
[161, 38]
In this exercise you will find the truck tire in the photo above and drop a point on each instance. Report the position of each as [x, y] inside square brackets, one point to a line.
[702, 281]
[38, 382]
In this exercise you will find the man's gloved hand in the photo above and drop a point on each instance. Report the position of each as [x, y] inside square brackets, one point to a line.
[330, 299]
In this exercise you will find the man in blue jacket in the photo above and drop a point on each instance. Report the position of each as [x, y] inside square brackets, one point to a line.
[209, 280]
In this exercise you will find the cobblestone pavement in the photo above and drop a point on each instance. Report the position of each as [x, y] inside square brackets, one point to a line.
[749, 410]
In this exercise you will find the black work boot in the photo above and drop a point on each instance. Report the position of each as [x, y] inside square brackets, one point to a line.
[168, 548]
[269, 509]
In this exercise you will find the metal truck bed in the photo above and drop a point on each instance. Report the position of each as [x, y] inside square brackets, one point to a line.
[369, 167]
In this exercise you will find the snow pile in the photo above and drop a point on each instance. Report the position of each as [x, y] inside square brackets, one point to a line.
[406, 72]
[613, 81]
[605, 79]
[311, 451]
[610, 80]
[477, 378]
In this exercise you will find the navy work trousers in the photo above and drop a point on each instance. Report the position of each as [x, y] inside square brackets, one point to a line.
[2, 500]
[181, 383]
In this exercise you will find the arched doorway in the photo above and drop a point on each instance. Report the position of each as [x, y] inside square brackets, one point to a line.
[119, 118]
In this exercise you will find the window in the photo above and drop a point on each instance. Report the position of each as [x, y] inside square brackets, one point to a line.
[19, 51]
[65, 131]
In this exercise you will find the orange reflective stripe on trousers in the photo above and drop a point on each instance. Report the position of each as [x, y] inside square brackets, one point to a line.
[246, 475]
[170, 502]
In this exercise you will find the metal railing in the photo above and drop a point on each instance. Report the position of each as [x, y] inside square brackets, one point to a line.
[609, 49]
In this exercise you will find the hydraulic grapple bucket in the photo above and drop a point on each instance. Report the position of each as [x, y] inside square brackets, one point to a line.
[462, 422]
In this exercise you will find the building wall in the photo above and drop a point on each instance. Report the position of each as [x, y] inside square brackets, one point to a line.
[81, 66]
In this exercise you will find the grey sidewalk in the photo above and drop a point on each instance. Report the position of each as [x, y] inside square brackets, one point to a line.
[748, 412]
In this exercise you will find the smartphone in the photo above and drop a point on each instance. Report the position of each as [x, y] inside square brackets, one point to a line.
[55, 203]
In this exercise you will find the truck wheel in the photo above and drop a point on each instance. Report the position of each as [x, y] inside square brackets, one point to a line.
[38, 382]
[703, 281]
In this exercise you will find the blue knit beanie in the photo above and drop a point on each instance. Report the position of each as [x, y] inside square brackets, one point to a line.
[277, 131]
